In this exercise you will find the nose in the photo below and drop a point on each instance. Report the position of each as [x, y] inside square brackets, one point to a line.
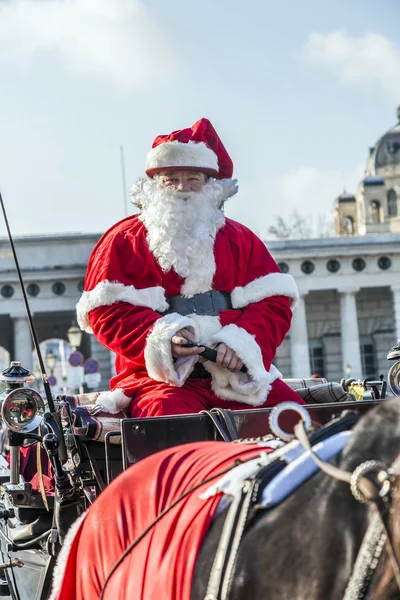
[182, 186]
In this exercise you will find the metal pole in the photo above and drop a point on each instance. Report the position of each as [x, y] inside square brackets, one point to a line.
[124, 190]
[15, 464]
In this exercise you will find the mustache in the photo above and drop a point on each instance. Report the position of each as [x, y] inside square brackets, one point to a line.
[183, 195]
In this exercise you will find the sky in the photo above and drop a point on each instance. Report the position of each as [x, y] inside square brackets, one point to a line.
[298, 92]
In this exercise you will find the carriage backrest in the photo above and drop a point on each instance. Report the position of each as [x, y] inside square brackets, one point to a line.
[145, 436]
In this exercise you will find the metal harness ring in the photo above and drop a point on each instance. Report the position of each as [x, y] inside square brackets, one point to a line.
[359, 472]
[280, 408]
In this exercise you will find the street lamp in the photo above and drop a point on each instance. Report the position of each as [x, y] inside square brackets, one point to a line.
[50, 362]
[74, 336]
[347, 370]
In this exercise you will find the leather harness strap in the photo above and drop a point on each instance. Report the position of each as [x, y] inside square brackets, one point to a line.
[225, 558]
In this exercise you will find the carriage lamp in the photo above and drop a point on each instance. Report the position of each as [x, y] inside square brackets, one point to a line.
[22, 409]
[74, 336]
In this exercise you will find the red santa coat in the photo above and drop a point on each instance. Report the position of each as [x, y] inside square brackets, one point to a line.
[126, 289]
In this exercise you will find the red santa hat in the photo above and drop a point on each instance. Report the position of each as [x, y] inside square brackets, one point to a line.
[197, 148]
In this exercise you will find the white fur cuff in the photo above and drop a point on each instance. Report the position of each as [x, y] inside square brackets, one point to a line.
[113, 402]
[250, 388]
[157, 353]
[109, 292]
[274, 284]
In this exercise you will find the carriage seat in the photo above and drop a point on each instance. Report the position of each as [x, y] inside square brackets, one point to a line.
[89, 426]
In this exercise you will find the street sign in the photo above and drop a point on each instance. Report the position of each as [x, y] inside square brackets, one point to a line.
[91, 366]
[75, 376]
[92, 380]
[52, 380]
[76, 359]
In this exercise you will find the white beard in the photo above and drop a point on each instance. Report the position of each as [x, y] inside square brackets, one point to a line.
[181, 229]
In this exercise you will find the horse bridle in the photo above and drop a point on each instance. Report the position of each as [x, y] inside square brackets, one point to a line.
[377, 495]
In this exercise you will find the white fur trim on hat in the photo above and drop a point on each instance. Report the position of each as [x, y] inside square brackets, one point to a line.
[178, 154]
[109, 292]
[250, 388]
[274, 284]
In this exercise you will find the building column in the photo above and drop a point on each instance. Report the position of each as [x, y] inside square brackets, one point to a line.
[396, 310]
[299, 350]
[351, 354]
[22, 342]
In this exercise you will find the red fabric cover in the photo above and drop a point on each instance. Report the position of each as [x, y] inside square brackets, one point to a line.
[162, 565]
[201, 131]
[28, 468]
[160, 399]
[123, 255]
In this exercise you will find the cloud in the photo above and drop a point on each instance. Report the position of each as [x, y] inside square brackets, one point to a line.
[116, 39]
[309, 191]
[370, 58]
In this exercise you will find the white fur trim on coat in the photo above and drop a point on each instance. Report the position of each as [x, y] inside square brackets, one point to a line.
[178, 154]
[59, 569]
[158, 355]
[250, 388]
[109, 292]
[113, 402]
[274, 284]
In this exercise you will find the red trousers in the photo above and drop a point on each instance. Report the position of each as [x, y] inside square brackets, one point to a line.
[160, 399]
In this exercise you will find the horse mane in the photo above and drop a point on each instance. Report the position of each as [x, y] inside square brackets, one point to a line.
[375, 437]
[384, 585]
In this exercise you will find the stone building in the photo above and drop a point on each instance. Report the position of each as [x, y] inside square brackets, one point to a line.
[349, 310]
[347, 318]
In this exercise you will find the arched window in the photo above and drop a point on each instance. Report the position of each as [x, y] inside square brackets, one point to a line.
[55, 354]
[375, 211]
[348, 223]
[369, 357]
[317, 358]
[392, 203]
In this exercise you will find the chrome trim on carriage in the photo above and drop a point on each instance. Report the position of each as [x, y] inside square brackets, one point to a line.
[276, 413]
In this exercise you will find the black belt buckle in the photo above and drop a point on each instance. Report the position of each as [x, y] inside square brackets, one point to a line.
[203, 304]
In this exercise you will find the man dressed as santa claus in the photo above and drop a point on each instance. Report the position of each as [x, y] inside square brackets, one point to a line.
[179, 272]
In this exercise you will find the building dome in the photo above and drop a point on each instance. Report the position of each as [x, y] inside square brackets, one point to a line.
[385, 155]
[373, 180]
[345, 197]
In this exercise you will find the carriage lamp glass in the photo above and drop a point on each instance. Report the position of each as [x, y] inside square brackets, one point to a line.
[22, 409]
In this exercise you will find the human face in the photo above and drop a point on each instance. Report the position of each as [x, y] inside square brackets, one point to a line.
[183, 181]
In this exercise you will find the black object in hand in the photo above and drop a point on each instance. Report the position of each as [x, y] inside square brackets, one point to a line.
[209, 353]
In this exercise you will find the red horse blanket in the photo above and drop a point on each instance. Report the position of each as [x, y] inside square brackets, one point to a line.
[162, 564]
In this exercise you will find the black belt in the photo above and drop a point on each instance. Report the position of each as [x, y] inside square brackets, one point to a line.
[209, 303]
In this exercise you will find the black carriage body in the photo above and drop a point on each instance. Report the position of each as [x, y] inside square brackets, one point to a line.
[145, 436]
[32, 580]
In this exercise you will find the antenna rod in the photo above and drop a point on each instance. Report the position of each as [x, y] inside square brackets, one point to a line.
[46, 385]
